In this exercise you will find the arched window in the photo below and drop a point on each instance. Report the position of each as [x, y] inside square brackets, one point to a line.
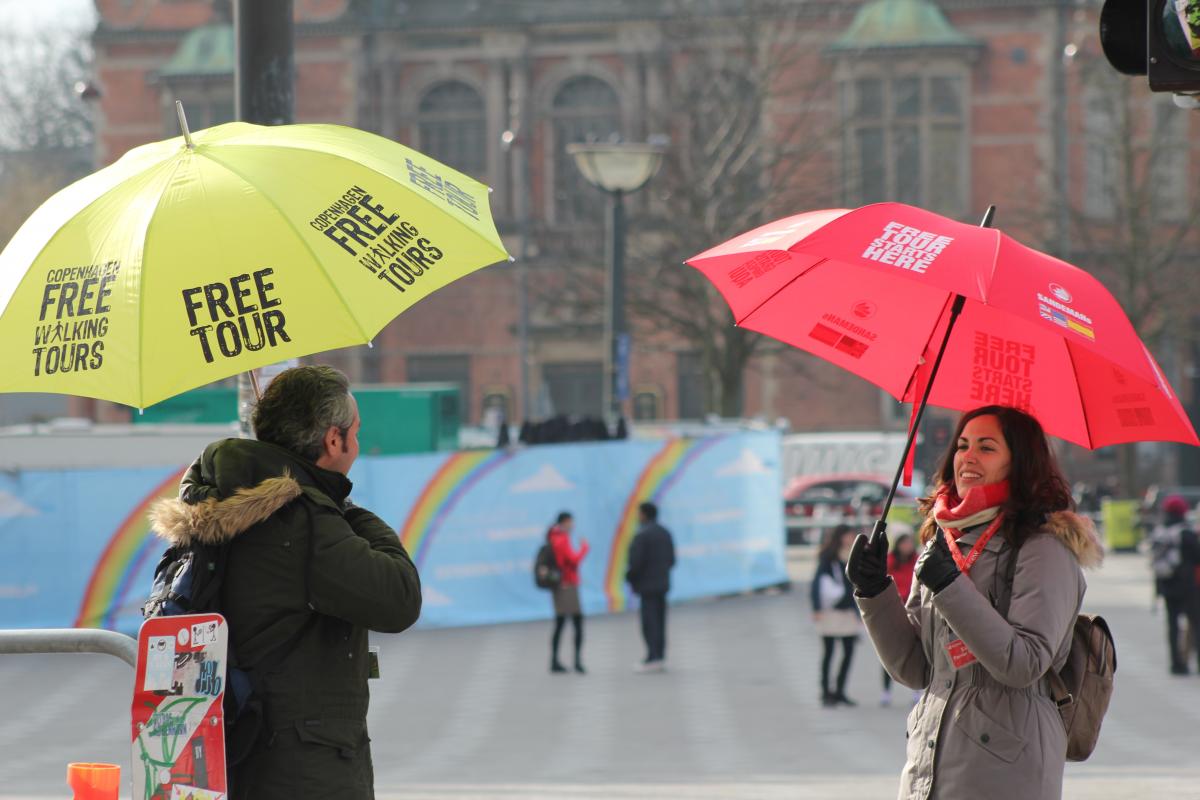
[905, 138]
[584, 108]
[452, 127]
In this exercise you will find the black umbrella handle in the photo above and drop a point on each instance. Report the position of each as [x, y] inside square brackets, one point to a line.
[955, 310]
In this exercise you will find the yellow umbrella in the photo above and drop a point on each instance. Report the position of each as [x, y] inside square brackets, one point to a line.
[195, 258]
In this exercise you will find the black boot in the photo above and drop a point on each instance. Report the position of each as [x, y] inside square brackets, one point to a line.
[556, 666]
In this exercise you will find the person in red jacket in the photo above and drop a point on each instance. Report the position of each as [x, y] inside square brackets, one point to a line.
[566, 594]
[900, 564]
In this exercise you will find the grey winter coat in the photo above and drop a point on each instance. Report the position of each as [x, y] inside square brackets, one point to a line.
[989, 731]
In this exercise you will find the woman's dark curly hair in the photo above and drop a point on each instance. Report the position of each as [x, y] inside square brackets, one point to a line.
[1037, 487]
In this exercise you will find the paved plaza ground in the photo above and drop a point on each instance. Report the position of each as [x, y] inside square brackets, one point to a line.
[474, 713]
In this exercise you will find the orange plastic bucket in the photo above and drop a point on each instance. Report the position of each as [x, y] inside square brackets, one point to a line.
[94, 781]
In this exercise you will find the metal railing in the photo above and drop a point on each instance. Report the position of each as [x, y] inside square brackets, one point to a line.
[69, 640]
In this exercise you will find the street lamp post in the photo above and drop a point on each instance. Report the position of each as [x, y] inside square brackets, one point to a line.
[617, 169]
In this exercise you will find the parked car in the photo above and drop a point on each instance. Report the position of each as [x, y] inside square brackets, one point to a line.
[813, 504]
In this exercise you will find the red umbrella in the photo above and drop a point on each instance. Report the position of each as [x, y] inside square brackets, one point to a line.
[888, 291]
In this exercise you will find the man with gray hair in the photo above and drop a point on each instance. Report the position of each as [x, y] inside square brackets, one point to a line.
[307, 574]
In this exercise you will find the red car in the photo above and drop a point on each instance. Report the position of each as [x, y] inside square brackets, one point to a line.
[813, 504]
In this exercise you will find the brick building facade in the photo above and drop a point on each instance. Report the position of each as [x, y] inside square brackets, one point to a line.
[953, 106]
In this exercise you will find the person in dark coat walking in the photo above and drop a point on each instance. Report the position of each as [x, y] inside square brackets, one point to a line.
[308, 574]
[651, 557]
[1175, 554]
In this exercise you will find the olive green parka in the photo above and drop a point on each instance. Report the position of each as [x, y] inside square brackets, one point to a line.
[303, 563]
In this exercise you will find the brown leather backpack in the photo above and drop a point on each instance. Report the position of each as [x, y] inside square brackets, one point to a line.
[1083, 687]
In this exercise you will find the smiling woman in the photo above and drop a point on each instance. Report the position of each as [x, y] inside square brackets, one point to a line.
[990, 615]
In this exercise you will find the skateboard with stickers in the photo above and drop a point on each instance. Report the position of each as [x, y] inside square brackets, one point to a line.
[178, 719]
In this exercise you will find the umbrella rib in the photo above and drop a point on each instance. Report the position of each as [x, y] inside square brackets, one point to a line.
[928, 341]
[298, 146]
[141, 316]
[59, 229]
[983, 290]
[1074, 371]
[287, 221]
[773, 294]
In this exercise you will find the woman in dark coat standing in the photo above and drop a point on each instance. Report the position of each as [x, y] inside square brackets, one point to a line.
[566, 594]
[978, 636]
[834, 613]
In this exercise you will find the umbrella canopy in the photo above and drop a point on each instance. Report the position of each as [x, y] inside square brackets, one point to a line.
[195, 258]
[872, 290]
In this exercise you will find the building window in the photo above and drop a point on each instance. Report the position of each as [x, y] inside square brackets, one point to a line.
[905, 141]
[690, 382]
[453, 369]
[452, 127]
[584, 109]
[646, 405]
[576, 388]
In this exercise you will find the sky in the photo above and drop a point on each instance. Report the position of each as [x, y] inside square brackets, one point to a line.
[25, 14]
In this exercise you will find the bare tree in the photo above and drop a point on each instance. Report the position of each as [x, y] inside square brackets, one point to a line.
[1132, 222]
[750, 126]
[45, 127]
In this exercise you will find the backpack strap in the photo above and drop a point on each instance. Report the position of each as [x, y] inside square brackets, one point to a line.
[1058, 690]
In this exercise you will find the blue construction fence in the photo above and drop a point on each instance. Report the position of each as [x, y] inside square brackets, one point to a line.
[76, 549]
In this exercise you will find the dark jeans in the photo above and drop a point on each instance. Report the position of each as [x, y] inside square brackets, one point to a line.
[827, 661]
[559, 622]
[654, 625]
[1182, 606]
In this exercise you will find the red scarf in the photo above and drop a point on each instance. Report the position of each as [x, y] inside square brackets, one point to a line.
[981, 504]
[953, 514]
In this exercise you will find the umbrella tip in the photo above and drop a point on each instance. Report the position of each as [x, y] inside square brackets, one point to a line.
[988, 216]
[183, 126]
[511, 259]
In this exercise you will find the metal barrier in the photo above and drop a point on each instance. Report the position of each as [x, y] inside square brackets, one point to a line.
[69, 640]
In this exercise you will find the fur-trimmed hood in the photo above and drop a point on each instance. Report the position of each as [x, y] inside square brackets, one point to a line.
[1079, 534]
[1075, 531]
[215, 521]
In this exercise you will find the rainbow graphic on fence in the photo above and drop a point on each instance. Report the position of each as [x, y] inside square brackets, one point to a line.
[443, 491]
[122, 559]
[659, 475]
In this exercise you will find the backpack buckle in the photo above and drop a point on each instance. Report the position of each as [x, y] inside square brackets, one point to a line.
[1066, 701]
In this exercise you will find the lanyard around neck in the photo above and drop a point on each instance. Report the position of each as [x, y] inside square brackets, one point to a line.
[965, 563]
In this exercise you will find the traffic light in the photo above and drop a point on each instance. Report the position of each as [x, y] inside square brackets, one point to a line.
[1158, 38]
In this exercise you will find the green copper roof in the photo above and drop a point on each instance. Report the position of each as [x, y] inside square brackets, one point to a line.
[204, 51]
[884, 24]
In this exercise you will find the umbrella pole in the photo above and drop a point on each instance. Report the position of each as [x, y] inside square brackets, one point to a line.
[955, 310]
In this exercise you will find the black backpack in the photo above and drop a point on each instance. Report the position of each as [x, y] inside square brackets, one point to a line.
[546, 572]
[188, 580]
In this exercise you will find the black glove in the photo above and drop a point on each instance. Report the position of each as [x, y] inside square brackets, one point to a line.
[867, 565]
[936, 568]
